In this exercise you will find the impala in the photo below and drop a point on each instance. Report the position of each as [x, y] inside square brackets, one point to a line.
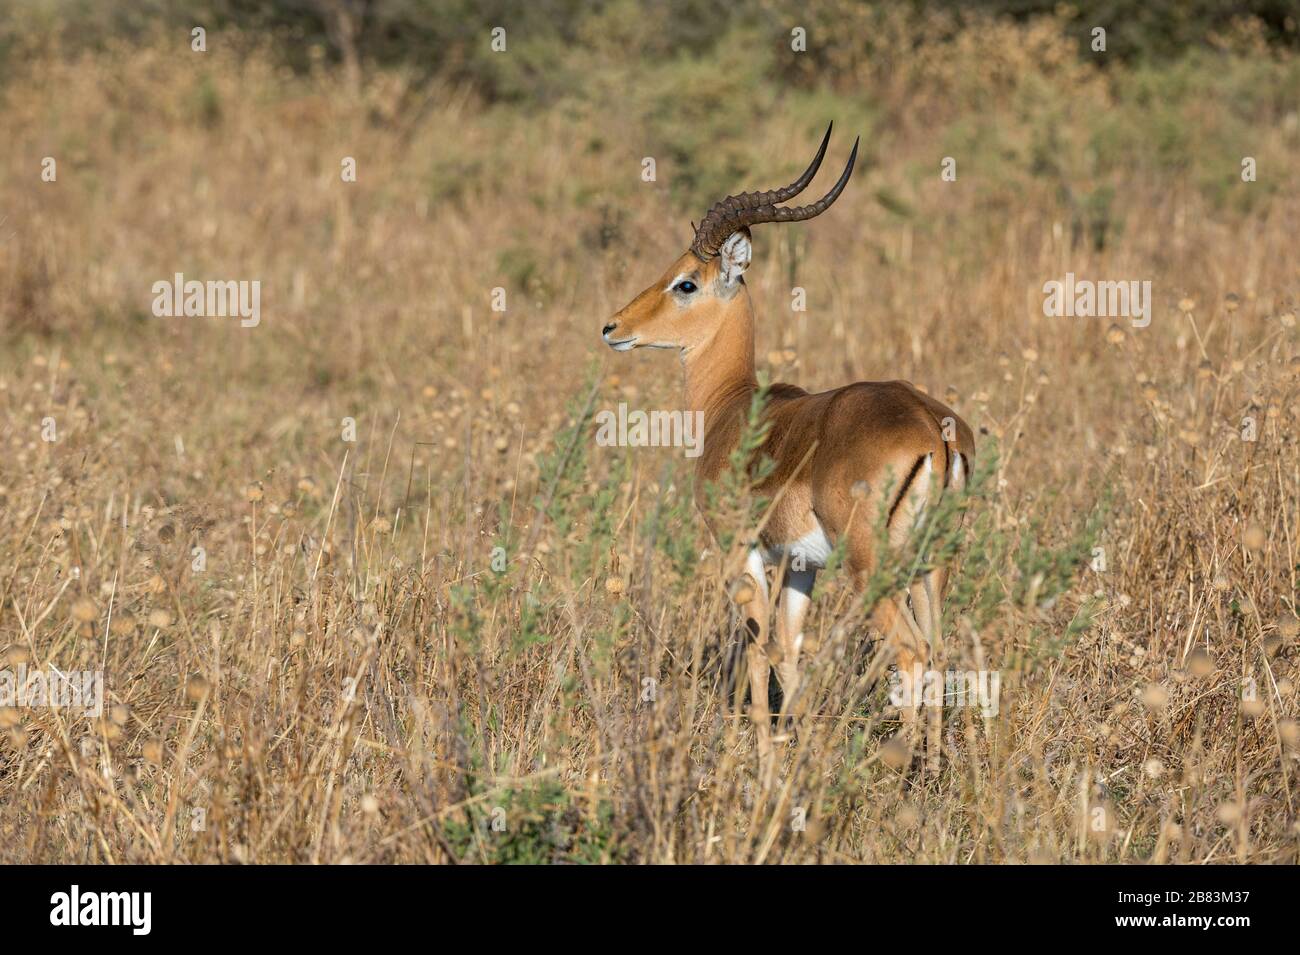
[833, 451]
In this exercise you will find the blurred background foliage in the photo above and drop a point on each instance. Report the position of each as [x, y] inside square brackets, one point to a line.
[1014, 88]
[556, 41]
[1015, 82]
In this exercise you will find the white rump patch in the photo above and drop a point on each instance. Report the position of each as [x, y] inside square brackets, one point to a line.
[909, 514]
[915, 490]
[918, 494]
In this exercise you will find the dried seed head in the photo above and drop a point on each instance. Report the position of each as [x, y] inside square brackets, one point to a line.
[895, 753]
[197, 687]
[1229, 813]
[84, 610]
[1199, 663]
[1155, 697]
[16, 656]
[1254, 537]
[1289, 730]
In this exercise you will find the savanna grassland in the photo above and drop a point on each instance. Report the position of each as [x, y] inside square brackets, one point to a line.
[326, 641]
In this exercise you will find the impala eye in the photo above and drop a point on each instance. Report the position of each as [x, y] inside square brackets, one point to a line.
[686, 286]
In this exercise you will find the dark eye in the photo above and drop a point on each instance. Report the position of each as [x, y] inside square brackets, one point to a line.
[686, 286]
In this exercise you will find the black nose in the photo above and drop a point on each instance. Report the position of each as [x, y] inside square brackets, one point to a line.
[608, 328]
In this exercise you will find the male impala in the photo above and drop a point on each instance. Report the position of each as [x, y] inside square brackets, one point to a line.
[886, 434]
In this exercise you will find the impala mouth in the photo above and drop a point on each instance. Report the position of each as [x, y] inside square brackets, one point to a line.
[625, 344]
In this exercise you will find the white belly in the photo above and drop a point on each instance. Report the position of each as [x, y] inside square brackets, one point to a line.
[809, 552]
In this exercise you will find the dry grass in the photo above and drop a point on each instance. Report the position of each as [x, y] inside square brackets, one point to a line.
[350, 679]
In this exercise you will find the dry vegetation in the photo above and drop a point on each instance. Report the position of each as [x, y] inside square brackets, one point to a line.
[349, 678]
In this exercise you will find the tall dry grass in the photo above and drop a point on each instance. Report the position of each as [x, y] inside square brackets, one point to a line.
[350, 678]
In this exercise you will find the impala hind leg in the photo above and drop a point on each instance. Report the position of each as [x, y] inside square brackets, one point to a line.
[911, 658]
[904, 637]
[920, 649]
[927, 605]
[892, 615]
[927, 609]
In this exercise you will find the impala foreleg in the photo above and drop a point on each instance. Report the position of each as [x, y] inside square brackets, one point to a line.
[796, 596]
[756, 611]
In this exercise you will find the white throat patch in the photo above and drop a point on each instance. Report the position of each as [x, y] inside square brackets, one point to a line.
[809, 552]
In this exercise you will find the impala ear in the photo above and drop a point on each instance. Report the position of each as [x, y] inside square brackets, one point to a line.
[734, 256]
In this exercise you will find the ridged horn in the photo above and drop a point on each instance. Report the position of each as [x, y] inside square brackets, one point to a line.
[752, 208]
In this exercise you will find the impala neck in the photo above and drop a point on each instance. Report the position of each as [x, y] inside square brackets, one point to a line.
[720, 380]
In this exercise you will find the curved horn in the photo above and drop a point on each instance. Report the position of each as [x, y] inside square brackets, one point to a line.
[736, 212]
[772, 196]
[798, 213]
